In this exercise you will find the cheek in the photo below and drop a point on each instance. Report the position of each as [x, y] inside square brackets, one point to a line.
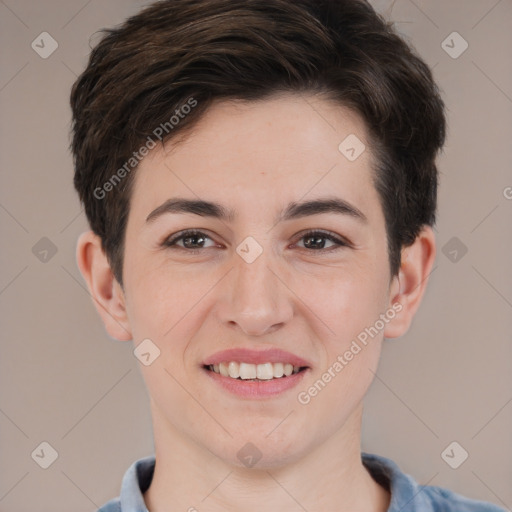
[150, 304]
[333, 395]
[346, 300]
[166, 305]
[350, 306]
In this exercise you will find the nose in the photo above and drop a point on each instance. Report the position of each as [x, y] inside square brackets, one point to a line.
[254, 297]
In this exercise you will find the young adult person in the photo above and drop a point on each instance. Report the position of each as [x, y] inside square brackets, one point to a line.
[260, 181]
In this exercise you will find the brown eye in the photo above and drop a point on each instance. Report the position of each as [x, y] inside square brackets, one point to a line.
[315, 240]
[193, 241]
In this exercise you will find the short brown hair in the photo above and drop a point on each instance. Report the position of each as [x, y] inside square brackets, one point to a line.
[143, 72]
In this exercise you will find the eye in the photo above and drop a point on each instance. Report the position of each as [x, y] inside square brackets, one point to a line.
[315, 240]
[193, 240]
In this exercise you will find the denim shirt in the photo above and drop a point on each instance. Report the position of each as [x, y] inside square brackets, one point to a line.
[406, 494]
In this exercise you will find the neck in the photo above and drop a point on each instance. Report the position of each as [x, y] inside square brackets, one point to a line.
[331, 476]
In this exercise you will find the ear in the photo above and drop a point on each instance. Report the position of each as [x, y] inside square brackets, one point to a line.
[107, 294]
[407, 289]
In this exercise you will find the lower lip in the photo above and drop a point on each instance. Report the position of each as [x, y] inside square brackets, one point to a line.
[257, 389]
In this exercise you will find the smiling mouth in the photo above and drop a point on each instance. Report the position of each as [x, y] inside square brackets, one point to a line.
[254, 372]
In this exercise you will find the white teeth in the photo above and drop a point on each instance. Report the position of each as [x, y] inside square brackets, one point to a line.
[223, 369]
[265, 371]
[248, 371]
[234, 370]
[278, 370]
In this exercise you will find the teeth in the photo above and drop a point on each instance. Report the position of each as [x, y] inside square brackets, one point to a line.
[248, 371]
[278, 370]
[265, 371]
[223, 369]
[234, 370]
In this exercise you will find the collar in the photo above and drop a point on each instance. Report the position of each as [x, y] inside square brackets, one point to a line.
[405, 492]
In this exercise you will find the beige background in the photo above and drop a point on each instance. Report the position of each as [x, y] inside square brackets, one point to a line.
[64, 381]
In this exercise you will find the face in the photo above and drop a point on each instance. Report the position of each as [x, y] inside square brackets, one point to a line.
[268, 281]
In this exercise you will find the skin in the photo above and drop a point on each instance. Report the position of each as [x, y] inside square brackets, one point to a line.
[256, 158]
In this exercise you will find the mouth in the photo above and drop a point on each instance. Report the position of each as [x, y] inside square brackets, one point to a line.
[254, 372]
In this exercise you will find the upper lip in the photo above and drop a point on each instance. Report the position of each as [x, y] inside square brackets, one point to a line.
[245, 355]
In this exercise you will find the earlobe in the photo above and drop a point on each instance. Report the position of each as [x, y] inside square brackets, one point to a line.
[408, 288]
[107, 294]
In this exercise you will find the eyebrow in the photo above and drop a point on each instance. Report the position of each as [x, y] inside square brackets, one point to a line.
[293, 210]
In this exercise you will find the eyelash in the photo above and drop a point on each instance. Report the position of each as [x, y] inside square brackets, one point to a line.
[171, 241]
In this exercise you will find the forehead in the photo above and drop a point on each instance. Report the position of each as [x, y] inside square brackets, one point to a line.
[280, 124]
[248, 155]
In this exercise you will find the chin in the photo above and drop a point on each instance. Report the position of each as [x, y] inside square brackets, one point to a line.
[260, 451]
